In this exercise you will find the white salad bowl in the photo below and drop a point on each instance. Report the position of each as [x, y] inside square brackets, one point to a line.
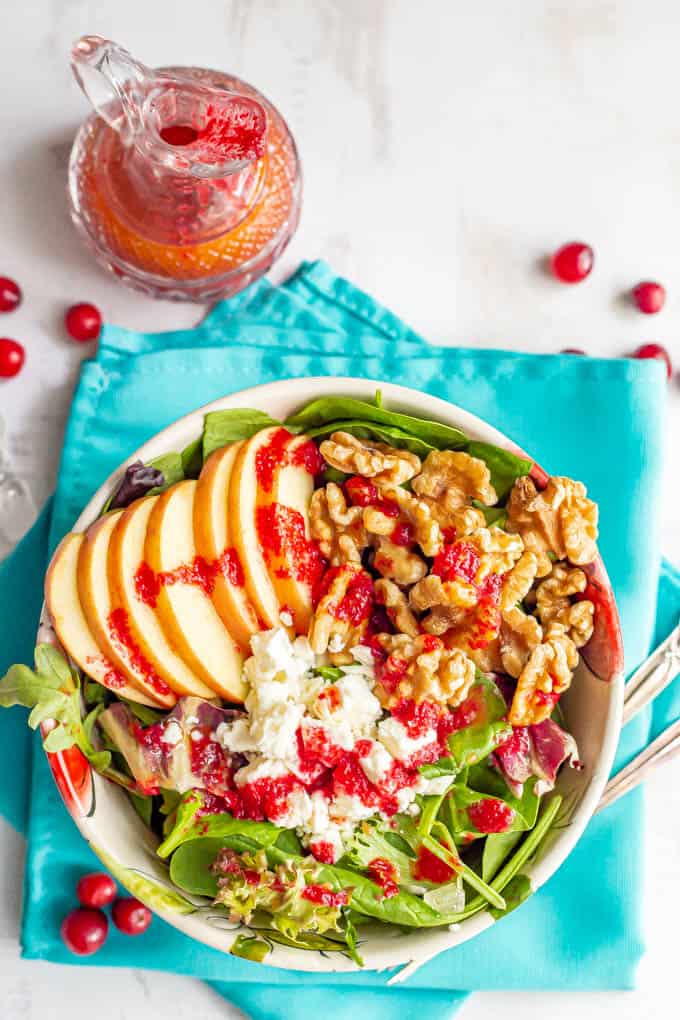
[107, 820]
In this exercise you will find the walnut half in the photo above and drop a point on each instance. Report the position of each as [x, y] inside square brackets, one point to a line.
[560, 520]
[386, 465]
[545, 677]
[422, 668]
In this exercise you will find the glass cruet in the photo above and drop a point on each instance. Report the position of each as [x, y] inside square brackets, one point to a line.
[185, 182]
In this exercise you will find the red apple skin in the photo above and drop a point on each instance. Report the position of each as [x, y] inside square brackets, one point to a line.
[604, 652]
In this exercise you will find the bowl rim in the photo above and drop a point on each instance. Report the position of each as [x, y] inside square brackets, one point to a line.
[410, 401]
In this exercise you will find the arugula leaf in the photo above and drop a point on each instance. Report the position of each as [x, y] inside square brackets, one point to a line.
[337, 409]
[370, 430]
[224, 427]
[505, 467]
[192, 458]
[52, 691]
[190, 824]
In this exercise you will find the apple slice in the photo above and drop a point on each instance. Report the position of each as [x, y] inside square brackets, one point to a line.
[111, 625]
[184, 606]
[254, 467]
[68, 619]
[125, 568]
[282, 523]
[214, 543]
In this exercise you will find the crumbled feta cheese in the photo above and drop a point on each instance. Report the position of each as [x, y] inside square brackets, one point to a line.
[401, 746]
[359, 705]
[260, 768]
[377, 763]
[172, 734]
[297, 810]
[286, 618]
[235, 736]
[413, 810]
[274, 734]
[274, 655]
[346, 810]
[196, 735]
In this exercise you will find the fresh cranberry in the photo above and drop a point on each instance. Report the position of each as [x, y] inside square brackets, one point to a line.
[96, 889]
[573, 262]
[646, 351]
[84, 931]
[572, 350]
[10, 294]
[491, 815]
[130, 916]
[12, 357]
[83, 322]
[649, 297]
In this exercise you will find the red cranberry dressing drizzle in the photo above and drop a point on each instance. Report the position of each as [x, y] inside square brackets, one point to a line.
[491, 815]
[121, 634]
[431, 868]
[384, 874]
[277, 453]
[459, 561]
[200, 573]
[357, 603]
[325, 897]
[281, 531]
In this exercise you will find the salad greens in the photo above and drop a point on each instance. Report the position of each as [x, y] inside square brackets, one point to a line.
[52, 691]
[258, 873]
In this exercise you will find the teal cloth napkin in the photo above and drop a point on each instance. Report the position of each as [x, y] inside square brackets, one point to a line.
[598, 420]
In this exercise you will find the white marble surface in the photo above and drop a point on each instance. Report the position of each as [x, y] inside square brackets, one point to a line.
[447, 147]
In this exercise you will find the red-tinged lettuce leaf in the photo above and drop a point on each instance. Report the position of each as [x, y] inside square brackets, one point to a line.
[139, 479]
[513, 759]
[551, 746]
[604, 651]
[164, 755]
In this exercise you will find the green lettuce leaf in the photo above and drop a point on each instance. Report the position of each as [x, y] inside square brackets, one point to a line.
[224, 427]
[52, 691]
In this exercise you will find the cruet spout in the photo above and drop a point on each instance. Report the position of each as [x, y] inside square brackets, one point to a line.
[181, 124]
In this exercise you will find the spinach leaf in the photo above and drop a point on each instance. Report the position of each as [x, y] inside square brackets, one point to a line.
[462, 798]
[224, 427]
[442, 767]
[147, 716]
[192, 458]
[483, 779]
[190, 824]
[515, 893]
[369, 430]
[52, 691]
[331, 474]
[497, 848]
[505, 467]
[191, 863]
[337, 409]
[288, 841]
[488, 729]
[367, 898]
